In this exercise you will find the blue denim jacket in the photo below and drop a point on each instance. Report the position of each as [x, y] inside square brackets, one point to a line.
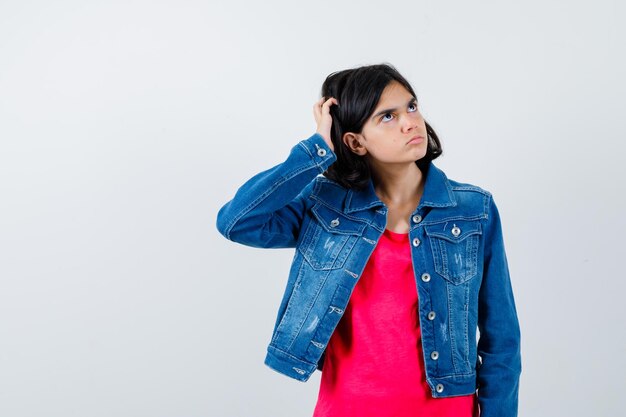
[459, 261]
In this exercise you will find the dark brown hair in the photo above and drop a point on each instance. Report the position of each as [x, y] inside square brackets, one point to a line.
[358, 91]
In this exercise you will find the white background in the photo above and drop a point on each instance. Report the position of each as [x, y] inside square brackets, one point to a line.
[126, 125]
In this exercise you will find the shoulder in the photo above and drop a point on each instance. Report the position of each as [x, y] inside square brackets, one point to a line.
[328, 190]
[470, 196]
[469, 190]
[474, 195]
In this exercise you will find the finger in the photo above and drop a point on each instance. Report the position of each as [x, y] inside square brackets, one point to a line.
[326, 107]
[331, 101]
[317, 111]
[318, 104]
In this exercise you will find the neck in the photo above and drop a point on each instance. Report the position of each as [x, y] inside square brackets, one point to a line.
[398, 184]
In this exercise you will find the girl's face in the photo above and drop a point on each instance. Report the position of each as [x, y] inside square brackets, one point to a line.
[387, 135]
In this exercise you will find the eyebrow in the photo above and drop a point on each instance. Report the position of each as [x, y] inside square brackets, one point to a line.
[380, 113]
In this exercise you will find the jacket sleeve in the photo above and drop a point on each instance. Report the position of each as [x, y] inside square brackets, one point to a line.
[499, 342]
[267, 210]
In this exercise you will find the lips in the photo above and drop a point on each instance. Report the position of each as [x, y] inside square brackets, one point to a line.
[416, 139]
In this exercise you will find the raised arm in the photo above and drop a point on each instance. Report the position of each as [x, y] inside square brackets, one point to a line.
[267, 210]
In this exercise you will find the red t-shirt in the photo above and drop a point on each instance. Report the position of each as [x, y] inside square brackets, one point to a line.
[374, 364]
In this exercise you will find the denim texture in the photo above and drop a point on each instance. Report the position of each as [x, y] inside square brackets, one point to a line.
[459, 263]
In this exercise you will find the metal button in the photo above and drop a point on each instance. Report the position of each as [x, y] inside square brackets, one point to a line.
[439, 387]
[334, 223]
[416, 242]
[417, 218]
[425, 277]
[321, 151]
[434, 355]
[456, 231]
[431, 315]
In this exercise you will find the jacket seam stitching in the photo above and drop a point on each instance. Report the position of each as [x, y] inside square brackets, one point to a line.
[305, 148]
[346, 215]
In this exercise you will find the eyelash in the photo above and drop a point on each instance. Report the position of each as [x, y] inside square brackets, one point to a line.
[412, 104]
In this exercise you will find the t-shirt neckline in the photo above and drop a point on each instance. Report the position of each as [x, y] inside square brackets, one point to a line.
[396, 236]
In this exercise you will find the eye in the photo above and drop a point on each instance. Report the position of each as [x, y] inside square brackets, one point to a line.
[411, 105]
[386, 114]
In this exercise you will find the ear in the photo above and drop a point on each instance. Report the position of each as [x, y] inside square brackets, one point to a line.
[354, 142]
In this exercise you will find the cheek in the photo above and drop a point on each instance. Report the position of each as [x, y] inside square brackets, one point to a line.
[419, 119]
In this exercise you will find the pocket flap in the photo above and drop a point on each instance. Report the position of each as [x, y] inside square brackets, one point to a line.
[336, 222]
[454, 230]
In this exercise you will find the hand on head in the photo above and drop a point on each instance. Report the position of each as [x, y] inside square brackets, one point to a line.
[321, 111]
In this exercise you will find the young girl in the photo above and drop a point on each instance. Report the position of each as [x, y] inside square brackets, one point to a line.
[396, 266]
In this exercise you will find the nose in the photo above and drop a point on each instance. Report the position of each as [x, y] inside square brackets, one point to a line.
[410, 122]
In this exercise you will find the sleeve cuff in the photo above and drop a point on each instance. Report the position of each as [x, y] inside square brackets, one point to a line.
[320, 152]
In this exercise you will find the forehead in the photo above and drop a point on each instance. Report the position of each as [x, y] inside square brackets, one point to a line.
[394, 95]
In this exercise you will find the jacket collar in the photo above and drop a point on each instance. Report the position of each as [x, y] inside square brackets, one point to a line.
[437, 193]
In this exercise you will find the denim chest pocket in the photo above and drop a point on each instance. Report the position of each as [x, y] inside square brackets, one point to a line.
[329, 237]
[454, 245]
